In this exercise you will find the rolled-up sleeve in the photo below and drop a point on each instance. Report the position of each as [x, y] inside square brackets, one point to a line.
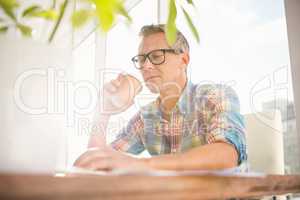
[129, 138]
[219, 108]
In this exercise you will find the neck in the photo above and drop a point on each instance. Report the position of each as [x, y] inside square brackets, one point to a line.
[170, 94]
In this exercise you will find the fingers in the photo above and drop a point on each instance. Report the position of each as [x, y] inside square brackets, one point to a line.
[106, 159]
[113, 85]
[116, 82]
[96, 159]
[88, 156]
[120, 77]
[99, 163]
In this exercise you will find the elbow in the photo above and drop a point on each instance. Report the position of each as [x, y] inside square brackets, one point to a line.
[232, 156]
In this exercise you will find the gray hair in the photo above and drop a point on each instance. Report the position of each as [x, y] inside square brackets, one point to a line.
[181, 42]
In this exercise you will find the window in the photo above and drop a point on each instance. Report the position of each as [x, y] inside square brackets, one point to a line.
[242, 44]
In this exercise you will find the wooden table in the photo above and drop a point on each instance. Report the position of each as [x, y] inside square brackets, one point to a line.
[144, 187]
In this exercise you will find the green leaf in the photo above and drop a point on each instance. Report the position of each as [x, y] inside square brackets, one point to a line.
[47, 14]
[8, 7]
[3, 29]
[106, 13]
[190, 2]
[107, 10]
[191, 25]
[30, 10]
[25, 30]
[121, 10]
[171, 30]
[81, 17]
[37, 11]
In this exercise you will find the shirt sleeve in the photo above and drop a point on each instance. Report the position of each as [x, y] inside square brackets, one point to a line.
[219, 108]
[129, 138]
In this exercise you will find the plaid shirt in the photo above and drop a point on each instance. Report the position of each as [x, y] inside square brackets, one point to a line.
[204, 114]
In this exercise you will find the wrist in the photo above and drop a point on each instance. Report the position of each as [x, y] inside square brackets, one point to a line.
[164, 162]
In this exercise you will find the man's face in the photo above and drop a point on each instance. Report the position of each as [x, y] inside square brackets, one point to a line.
[169, 72]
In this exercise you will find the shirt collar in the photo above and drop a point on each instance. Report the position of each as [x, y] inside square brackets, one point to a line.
[184, 104]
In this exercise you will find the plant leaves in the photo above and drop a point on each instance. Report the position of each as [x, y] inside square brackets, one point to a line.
[121, 10]
[62, 10]
[171, 30]
[191, 25]
[37, 11]
[47, 14]
[81, 17]
[190, 2]
[106, 13]
[3, 29]
[25, 30]
[30, 10]
[8, 7]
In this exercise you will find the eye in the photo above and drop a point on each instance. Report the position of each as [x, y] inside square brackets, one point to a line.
[155, 56]
[157, 53]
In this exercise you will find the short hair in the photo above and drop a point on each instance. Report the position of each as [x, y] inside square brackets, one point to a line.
[181, 42]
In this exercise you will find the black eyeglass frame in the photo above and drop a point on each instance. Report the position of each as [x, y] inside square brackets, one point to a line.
[136, 65]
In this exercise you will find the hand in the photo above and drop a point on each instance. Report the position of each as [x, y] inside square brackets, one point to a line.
[119, 94]
[106, 158]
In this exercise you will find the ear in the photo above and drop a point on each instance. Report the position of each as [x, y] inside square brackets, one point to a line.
[185, 58]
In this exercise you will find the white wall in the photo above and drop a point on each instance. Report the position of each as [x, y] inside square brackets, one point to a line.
[293, 20]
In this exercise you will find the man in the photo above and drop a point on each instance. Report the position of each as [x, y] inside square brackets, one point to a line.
[188, 127]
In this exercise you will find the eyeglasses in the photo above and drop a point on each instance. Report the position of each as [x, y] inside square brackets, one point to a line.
[156, 57]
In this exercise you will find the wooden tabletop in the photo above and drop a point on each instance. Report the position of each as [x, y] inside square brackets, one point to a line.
[144, 187]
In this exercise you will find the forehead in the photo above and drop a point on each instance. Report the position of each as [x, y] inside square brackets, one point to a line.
[152, 42]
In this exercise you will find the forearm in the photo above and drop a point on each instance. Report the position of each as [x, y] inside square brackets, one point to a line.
[98, 133]
[208, 157]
